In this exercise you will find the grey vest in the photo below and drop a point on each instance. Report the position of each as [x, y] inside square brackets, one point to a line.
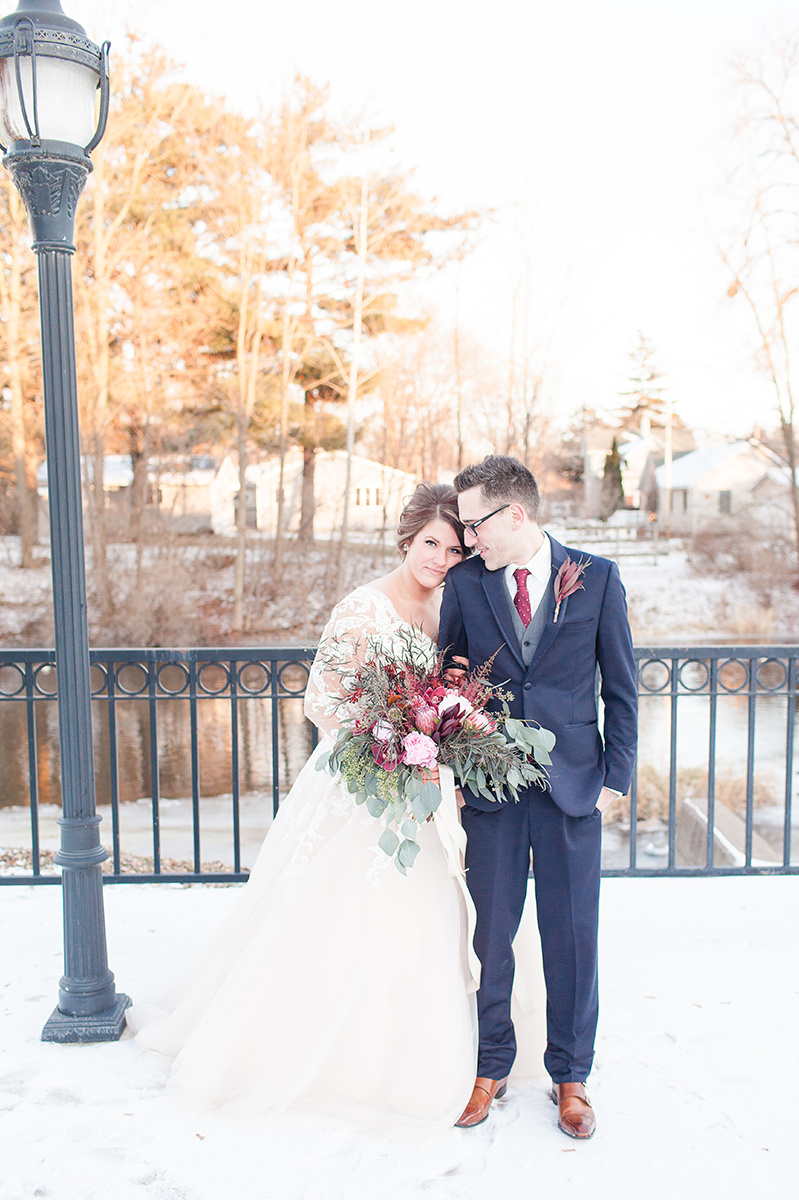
[529, 637]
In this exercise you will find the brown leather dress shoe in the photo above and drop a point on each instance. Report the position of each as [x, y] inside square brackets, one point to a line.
[575, 1114]
[484, 1091]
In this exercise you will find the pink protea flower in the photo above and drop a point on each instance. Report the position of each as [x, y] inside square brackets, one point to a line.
[480, 721]
[419, 750]
[424, 717]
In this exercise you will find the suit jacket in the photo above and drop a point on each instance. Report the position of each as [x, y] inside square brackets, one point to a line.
[559, 688]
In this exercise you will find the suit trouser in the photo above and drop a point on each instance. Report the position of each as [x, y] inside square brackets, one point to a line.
[567, 866]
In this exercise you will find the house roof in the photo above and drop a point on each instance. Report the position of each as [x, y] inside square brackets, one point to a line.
[689, 469]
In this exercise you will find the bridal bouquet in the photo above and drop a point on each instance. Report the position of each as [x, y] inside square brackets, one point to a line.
[401, 717]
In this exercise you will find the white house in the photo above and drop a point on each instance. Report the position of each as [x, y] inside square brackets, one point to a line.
[377, 493]
[194, 496]
[733, 479]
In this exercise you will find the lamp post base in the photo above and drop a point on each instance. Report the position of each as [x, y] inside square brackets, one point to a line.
[107, 1026]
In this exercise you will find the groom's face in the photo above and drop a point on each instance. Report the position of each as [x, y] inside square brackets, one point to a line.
[496, 539]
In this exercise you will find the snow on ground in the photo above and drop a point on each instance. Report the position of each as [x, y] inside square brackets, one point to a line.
[669, 602]
[693, 1080]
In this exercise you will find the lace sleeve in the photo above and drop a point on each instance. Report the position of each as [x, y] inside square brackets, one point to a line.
[363, 614]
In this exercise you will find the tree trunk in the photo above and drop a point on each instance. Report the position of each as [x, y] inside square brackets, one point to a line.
[99, 411]
[241, 531]
[24, 469]
[789, 442]
[306, 536]
[352, 380]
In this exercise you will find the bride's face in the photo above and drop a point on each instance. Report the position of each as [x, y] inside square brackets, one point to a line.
[432, 552]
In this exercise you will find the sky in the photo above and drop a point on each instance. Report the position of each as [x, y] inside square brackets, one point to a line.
[598, 136]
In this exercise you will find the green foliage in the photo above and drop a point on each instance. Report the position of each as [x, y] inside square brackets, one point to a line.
[611, 495]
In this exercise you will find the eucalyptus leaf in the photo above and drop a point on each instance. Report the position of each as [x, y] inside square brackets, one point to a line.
[375, 804]
[419, 809]
[431, 795]
[388, 842]
[409, 829]
[407, 853]
[542, 739]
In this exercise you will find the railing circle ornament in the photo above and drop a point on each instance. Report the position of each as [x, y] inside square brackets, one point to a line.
[697, 667]
[98, 675]
[132, 679]
[208, 674]
[733, 675]
[293, 686]
[654, 675]
[172, 678]
[254, 678]
[45, 679]
[772, 675]
[12, 680]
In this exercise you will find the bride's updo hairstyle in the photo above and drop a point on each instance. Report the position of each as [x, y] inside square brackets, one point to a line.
[430, 502]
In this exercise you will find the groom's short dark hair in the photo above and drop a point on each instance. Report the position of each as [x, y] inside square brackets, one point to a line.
[501, 477]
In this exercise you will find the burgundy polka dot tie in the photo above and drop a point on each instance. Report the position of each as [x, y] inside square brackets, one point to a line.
[522, 598]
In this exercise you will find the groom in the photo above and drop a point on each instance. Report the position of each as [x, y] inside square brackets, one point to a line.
[555, 659]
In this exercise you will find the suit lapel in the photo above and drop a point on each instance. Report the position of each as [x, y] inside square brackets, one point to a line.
[551, 627]
[497, 596]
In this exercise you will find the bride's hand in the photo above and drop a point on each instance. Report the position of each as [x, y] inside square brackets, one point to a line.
[459, 800]
[454, 674]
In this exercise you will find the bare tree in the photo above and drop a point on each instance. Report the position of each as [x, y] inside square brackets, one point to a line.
[763, 260]
[20, 363]
[136, 290]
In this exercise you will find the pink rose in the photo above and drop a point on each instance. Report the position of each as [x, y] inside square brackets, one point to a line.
[419, 750]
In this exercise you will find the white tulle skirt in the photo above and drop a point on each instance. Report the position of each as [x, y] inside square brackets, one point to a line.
[336, 983]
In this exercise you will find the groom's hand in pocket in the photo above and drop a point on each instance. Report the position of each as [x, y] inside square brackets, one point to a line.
[606, 798]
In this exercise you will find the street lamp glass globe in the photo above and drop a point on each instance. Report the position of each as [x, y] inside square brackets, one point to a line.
[65, 95]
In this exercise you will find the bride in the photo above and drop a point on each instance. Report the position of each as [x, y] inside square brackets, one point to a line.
[337, 981]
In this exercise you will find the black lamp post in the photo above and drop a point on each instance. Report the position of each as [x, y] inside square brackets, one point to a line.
[49, 76]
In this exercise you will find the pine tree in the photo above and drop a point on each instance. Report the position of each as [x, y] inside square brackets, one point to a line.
[611, 495]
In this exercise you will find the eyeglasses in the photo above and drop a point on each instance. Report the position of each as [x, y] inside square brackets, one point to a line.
[473, 526]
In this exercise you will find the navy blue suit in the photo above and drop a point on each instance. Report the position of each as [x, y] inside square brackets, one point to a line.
[562, 825]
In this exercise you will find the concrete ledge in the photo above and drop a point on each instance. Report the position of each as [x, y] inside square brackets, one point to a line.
[729, 837]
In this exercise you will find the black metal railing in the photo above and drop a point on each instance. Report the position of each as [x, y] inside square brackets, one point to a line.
[205, 730]
[161, 697]
[727, 717]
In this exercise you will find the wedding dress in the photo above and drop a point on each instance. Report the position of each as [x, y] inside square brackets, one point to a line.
[337, 983]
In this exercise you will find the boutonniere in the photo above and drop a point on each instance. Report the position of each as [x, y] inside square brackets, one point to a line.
[567, 581]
